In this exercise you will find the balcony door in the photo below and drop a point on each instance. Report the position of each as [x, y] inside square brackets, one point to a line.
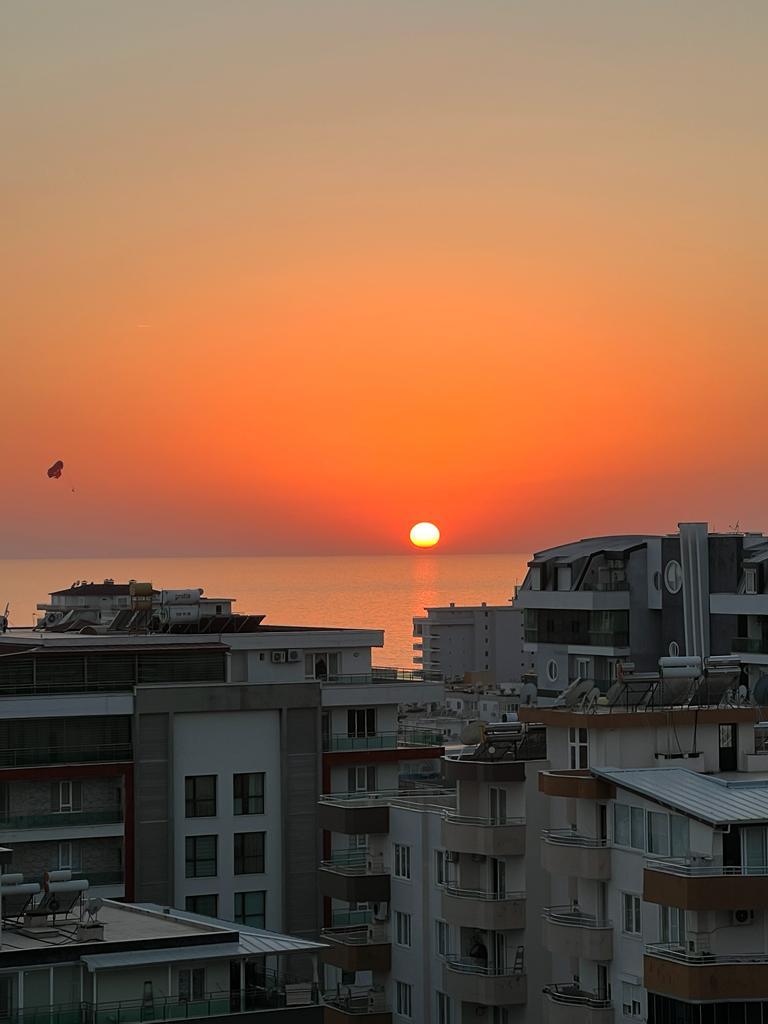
[498, 878]
[497, 799]
[499, 952]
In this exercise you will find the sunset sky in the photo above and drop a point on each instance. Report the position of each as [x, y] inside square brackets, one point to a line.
[291, 275]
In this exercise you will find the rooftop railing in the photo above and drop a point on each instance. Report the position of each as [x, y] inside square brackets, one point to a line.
[383, 674]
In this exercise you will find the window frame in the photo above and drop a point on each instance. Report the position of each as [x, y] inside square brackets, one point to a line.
[240, 908]
[403, 929]
[193, 801]
[246, 798]
[194, 897]
[404, 999]
[191, 842]
[240, 857]
[401, 861]
[631, 914]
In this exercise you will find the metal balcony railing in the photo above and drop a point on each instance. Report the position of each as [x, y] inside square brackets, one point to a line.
[61, 819]
[355, 862]
[489, 895]
[569, 837]
[21, 757]
[671, 951]
[383, 674]
[498, 821]
[573, 917]
[473, 965]
[384, 740]
[572, 995]
[708, 869]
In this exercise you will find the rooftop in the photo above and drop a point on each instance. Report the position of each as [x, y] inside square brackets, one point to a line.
[710, 799]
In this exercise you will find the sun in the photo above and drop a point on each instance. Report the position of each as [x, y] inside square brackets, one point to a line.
[424, 535]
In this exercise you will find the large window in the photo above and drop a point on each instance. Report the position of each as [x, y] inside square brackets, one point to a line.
[361, 722]
[656, 832]
[208, 905]
[578, 748]
[402, 928]
[249, 853]
[403, 998]
[322, 665]
[200, 796]
[631, 919]
[248, 793]
[402, 860]
[250, 908]
[191, 984]
[200, 855]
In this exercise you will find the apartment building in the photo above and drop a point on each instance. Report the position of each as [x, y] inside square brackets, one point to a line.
[482, 642]
[78, 960]
[178, 758]
[656, 805]
[594, 603]
[445, 881]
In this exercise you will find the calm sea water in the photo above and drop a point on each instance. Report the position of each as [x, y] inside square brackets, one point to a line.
[380, 592]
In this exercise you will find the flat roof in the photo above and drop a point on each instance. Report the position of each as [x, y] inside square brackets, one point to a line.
[712, 800]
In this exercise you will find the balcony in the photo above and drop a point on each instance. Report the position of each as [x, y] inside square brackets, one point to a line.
[478, 908]
[383, 740]
[60, 819]
[357, 948]
[367, 813]
[575, 783]
[471, 981]
[706, 886]
[25, 757]
[353, 1003]
[568, 1004]
[567, 852]
[670, 971]
[354, 876]
[567, 931]
[530, 745]
[491, 837]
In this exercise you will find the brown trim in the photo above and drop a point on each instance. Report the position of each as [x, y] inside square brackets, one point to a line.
[705, 981]
[483, 771]
[333, 758]
[334, 1015]
[67, 771]
[705, 892]
[564, 718]
[577, 783]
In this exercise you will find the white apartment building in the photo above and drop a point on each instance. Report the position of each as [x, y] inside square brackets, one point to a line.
[484, 642]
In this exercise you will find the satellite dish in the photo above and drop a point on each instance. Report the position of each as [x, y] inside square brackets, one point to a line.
[576, 691]
[472, 732]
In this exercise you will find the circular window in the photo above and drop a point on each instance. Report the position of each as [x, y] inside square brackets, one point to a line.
[674, 649]
[552, 670]
[673, 576]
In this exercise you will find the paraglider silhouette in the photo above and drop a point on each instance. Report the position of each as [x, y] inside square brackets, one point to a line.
[55, 470]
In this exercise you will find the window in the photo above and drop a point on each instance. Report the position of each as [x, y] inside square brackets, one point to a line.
[249, 853]
[672, 925]
[250, 908]
[207, 905]
[637, 828]
[535, 577]
[750, 581]
[403, 998]
[402, 928]
[191, 983]
[402, 861]
[442, 938]
[673, 576]
[201, 859]
[443, 1006]
[658, 833]
[680, 836]
[441, 867]
[248, 793]
[564, 577]
[583, 668]
[361, 778]
[200, 796]
[578, 747]
[500, 1015]
[674, 649]
[66, 797]
[322, 665]
[630, 1000]
[69, 856]
[631, 914]
[361, 722]
[552, 671]
[621, 824]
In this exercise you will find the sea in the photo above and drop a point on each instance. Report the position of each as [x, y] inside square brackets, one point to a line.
[377, 591]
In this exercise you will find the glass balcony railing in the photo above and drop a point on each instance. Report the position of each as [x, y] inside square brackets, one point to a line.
[22, 757]
[350, 918]
[749, 645]
[383, 674]
[63, 819]
[114, 877]
[384, 740]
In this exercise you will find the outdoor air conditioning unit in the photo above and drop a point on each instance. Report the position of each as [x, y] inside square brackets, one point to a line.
[294, 655]
[278, 657]
[698, 944]
[742, 917]
[377, 999]
[377, 932]
[381, 911]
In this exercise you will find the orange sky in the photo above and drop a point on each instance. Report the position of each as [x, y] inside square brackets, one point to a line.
[289, 277]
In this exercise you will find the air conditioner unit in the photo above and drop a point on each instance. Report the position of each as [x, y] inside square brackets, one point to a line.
[742, 917]
[381, 911]
[294, 655]
[278, 657]
[377, 932]
[451, 857]
[377, 999]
